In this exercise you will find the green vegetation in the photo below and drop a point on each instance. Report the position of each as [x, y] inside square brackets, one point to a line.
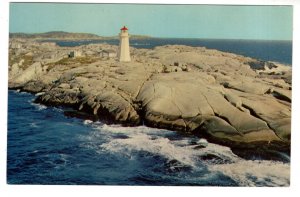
[28, 60]
[81, 60]
[72, 62]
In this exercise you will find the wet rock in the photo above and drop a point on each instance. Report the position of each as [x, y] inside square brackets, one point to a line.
[215, 159]
[202, 143]
[257, 65]
[175, 166]
[34, 86]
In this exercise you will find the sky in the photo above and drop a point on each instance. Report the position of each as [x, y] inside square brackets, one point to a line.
[210, 24]
[175, 21]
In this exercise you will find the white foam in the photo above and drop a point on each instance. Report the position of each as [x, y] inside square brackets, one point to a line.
[57, 109]
[34, 125]
[87, 122]
[253, 173]
[155, 141]
[39, 93]
[160, 146]
[19, 91]
[133, 130]
[38, 106]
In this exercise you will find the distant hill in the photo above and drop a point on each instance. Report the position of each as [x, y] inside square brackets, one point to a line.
[56, 35]
[67, 35]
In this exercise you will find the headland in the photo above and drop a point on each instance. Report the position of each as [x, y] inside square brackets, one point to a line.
[237, 101]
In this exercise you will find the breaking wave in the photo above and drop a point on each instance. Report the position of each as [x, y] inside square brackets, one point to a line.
[38, 106]
[187, 153]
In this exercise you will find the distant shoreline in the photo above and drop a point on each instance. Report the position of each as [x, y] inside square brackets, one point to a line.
[57, 35]
[265, 50]
[67, 36]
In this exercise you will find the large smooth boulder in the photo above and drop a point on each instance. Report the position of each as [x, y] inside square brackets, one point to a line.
[191, 102]
[33, 72]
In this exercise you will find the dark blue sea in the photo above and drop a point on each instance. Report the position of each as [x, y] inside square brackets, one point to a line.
[267, 50]
[47, 147]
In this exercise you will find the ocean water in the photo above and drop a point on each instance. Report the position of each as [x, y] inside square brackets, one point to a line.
[46, 147]
[267, 50]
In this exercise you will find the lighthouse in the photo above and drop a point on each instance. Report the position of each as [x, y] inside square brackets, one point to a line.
[124, 54]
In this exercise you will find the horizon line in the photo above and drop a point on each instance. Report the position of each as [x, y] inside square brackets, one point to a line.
[150, 36]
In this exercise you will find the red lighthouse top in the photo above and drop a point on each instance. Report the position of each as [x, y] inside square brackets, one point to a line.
[124, 28]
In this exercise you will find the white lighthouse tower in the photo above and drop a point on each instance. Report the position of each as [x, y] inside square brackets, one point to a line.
[124, 54]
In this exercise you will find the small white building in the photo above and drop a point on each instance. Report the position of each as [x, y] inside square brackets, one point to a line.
[73, 54]
[110, 53]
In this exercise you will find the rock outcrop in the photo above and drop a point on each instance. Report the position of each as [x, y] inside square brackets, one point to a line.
[227, 98]
[193, 102]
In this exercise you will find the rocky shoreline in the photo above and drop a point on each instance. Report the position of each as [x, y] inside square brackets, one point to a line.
[229, 99]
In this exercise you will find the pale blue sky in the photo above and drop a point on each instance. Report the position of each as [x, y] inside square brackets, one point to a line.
[181, 21]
